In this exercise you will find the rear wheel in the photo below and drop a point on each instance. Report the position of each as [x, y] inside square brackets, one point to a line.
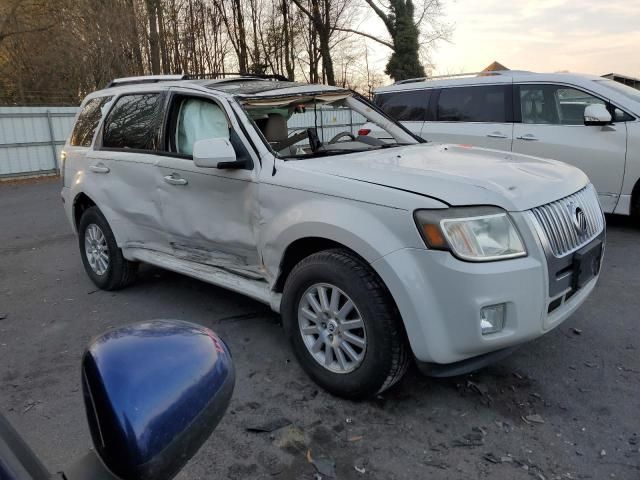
[102, 259]
[343, 325]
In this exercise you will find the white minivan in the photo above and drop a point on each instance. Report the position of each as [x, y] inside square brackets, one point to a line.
[587, 121]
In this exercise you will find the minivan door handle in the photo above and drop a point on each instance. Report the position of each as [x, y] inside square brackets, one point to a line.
[175, 180]
[99, 168]
[528, 137]
[496, 135]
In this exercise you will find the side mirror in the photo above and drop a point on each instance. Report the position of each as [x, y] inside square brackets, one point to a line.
[214, 153]
[596, 114]
[153, 393]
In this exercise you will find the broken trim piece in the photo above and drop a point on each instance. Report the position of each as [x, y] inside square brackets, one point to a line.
[256, 289]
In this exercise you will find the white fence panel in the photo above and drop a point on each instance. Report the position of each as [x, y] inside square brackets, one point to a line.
[31, 138]
[330, 122]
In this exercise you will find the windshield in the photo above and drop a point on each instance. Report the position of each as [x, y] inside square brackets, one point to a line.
[327, 123]
[618, 87]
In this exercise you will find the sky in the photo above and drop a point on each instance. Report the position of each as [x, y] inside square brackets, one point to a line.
[586, 36]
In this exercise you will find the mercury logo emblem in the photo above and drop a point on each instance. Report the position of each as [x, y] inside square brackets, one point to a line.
[579, 218]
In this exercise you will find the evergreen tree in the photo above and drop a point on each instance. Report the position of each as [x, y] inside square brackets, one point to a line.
[404, 27]
[405, 60]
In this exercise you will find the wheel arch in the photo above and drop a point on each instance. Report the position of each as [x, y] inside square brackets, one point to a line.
[81, 203]
[302, 248]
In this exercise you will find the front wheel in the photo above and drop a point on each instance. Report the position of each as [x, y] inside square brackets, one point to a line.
[102, 259]
[343, 325]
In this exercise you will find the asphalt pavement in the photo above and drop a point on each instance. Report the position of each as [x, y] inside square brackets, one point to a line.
[566, 406]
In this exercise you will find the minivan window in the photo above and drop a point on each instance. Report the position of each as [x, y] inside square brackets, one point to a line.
[473, 104]
[404, 106]
[554, 104]
[87, 122]
[134, 122]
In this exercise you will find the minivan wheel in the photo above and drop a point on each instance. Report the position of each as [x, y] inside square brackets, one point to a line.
[343, 325]
[102, 259]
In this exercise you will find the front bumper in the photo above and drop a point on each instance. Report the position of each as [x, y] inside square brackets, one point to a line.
[440, 298]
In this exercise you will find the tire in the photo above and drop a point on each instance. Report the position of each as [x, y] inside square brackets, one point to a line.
[383, 359]
[112, 271]
[635, 209]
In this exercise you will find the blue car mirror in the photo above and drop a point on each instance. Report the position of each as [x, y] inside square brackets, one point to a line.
[154, 392]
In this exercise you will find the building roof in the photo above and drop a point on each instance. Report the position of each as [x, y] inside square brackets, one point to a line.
[619, 75]
[495, 67]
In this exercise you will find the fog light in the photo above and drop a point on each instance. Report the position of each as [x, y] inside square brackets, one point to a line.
[492, 318]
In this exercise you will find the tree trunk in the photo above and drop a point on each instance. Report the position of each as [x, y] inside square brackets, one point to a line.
[154, 50]
[322, 25]
[162, 40]
[288, 44]
[243, 54]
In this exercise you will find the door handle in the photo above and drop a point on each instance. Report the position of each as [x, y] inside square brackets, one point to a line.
[527, 137]
[496, 135]
[173, 180]
[99, 169]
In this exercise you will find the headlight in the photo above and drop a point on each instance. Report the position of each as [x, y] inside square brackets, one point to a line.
[476, 234]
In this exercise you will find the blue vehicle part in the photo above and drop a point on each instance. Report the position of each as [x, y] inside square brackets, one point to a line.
[154, 392]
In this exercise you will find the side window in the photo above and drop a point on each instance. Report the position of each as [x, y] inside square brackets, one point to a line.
[87, 122]
[554, 104]
[473, 104]
[621, 116]
[134, 122]
[404, 106]
[192, 119]
[198, 120]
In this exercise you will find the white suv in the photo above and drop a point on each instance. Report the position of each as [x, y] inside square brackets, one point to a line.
[371, 251]
[587, 121]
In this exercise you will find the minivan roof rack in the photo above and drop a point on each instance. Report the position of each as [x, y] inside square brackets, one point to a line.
[459, 75]
[145, 79]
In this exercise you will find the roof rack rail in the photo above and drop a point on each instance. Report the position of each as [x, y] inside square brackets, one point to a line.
[489, 73]
[145, 79]
[222, 75]
[197, 76]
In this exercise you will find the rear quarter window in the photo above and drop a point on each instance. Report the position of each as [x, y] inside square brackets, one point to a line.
[88, 121]
[404, 106]
[134, 122]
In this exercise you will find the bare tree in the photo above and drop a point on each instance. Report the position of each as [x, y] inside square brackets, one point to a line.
[24, 16]
[56, 51]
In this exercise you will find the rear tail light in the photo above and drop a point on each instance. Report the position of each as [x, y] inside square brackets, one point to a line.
[364, 131]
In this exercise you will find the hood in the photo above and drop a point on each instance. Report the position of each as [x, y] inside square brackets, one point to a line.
[458, 175]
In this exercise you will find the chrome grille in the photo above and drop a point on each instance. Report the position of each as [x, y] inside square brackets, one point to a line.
[562, 224]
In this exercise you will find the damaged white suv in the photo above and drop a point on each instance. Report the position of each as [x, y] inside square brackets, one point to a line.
[374, 253]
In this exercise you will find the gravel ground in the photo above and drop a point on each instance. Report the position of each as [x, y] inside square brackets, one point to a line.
[564, 406]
